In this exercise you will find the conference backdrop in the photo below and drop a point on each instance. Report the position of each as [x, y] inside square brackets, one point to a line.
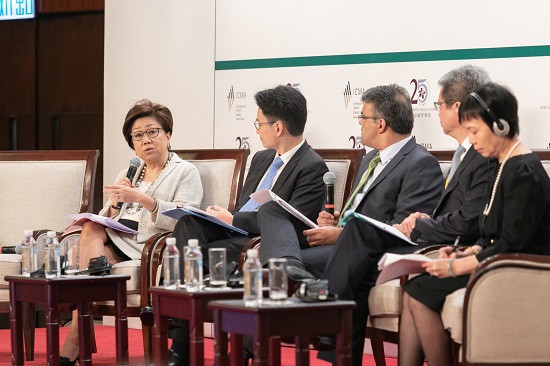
[331, 51]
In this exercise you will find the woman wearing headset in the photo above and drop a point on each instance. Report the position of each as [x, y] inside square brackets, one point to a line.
[516, 218]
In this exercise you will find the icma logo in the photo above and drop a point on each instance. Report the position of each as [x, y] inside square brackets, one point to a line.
[347, 94]
[230, 98]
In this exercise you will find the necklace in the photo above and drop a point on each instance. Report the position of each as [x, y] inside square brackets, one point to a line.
[132, 207]
[490, 204]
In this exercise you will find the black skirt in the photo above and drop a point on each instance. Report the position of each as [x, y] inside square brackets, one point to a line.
[432, 291]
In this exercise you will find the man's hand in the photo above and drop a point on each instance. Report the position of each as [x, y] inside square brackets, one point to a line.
[408, 225]
[323, 235]
[326, 219]
[221, 213]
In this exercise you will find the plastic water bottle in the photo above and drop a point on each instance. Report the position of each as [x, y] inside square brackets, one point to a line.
[52, 256]
[28, 248]
[252, 272]
[171, 265]
[193, 266]
[39, 252]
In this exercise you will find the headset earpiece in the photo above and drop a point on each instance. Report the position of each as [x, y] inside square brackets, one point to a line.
[501, 127]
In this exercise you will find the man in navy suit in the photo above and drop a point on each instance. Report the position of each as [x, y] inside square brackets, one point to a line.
[288, 166]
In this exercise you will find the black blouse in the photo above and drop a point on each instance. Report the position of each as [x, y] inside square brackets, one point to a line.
[519, 220]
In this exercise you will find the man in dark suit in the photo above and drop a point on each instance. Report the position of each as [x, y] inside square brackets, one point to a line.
[458, 211]
[288, 166]
[352, 269]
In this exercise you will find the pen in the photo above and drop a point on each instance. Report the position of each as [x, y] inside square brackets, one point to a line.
[455, 245]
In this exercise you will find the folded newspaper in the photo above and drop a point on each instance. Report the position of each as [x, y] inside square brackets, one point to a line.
[105, 221]
[176, 213]
[392, 266]
[265, 195]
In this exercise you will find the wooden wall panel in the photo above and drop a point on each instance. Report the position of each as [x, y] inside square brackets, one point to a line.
[17, 89]
[62, 6]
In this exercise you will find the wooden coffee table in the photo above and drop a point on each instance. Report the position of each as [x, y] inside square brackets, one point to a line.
[182, 304]
[293, 318]
[81, 290]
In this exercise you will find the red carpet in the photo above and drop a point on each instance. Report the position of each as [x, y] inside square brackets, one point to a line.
[105, 340]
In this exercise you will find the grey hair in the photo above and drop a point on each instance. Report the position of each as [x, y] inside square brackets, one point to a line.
[460, 82]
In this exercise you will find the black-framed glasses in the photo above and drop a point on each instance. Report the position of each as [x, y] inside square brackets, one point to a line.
[257, 123]
[151, 133]
[362, 117]
[437, 105]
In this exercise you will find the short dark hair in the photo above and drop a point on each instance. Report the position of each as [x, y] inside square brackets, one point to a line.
[500, 101]
[458, 83]
[286, 104]
[146, 108]
[393, 104]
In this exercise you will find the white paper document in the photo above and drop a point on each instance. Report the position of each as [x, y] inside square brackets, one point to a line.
[105, 221]
[385, 227]
[265, 195]
[176, 213]
[396, 265]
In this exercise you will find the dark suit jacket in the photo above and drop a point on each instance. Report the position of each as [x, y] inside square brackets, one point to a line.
[458, 211]
[412, 181]
[300, 183]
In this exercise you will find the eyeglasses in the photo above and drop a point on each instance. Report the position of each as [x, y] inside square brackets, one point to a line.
[437, 105]
[362, 116]
[257, 123]
[151, 133]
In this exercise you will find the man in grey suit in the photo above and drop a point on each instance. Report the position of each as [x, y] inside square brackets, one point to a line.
[288, 166]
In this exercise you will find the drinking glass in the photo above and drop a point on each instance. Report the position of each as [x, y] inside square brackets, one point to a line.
[218, 266]
[278, 283]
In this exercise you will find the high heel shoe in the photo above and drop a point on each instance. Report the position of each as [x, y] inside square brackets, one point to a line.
[64, 361]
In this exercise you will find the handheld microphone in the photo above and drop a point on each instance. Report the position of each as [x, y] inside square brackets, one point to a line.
[16, 249]
[329, 178]
[131, 173]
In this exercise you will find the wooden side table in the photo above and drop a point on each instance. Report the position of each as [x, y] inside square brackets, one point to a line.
[191, 306]
[293, 318]
[68, 289]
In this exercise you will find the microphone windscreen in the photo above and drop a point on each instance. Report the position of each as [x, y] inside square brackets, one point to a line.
[135, 162]
[329, 178]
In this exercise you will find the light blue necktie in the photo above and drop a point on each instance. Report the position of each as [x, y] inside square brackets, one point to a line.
[455, 163]
[252, 205]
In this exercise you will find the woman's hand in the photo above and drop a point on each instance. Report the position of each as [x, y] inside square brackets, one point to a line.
[221, 213]
[323, 235]
[124, 192]
[438, 268]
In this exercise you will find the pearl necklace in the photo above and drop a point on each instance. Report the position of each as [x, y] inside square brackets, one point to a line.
[130, 209]
[490, 204]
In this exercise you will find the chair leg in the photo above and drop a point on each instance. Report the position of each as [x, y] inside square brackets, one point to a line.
[147, 344]
[378, 352]
[29, 324]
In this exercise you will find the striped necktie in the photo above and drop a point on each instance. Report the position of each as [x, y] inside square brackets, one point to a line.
[373, 163]
[252, 205]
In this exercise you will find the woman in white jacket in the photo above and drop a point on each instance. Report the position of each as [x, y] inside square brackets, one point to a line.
[163, 181]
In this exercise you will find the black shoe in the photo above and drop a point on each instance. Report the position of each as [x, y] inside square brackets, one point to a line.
[323, 343]
[176, 360]
[98, 266]
[298, 274]
[64, 361]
